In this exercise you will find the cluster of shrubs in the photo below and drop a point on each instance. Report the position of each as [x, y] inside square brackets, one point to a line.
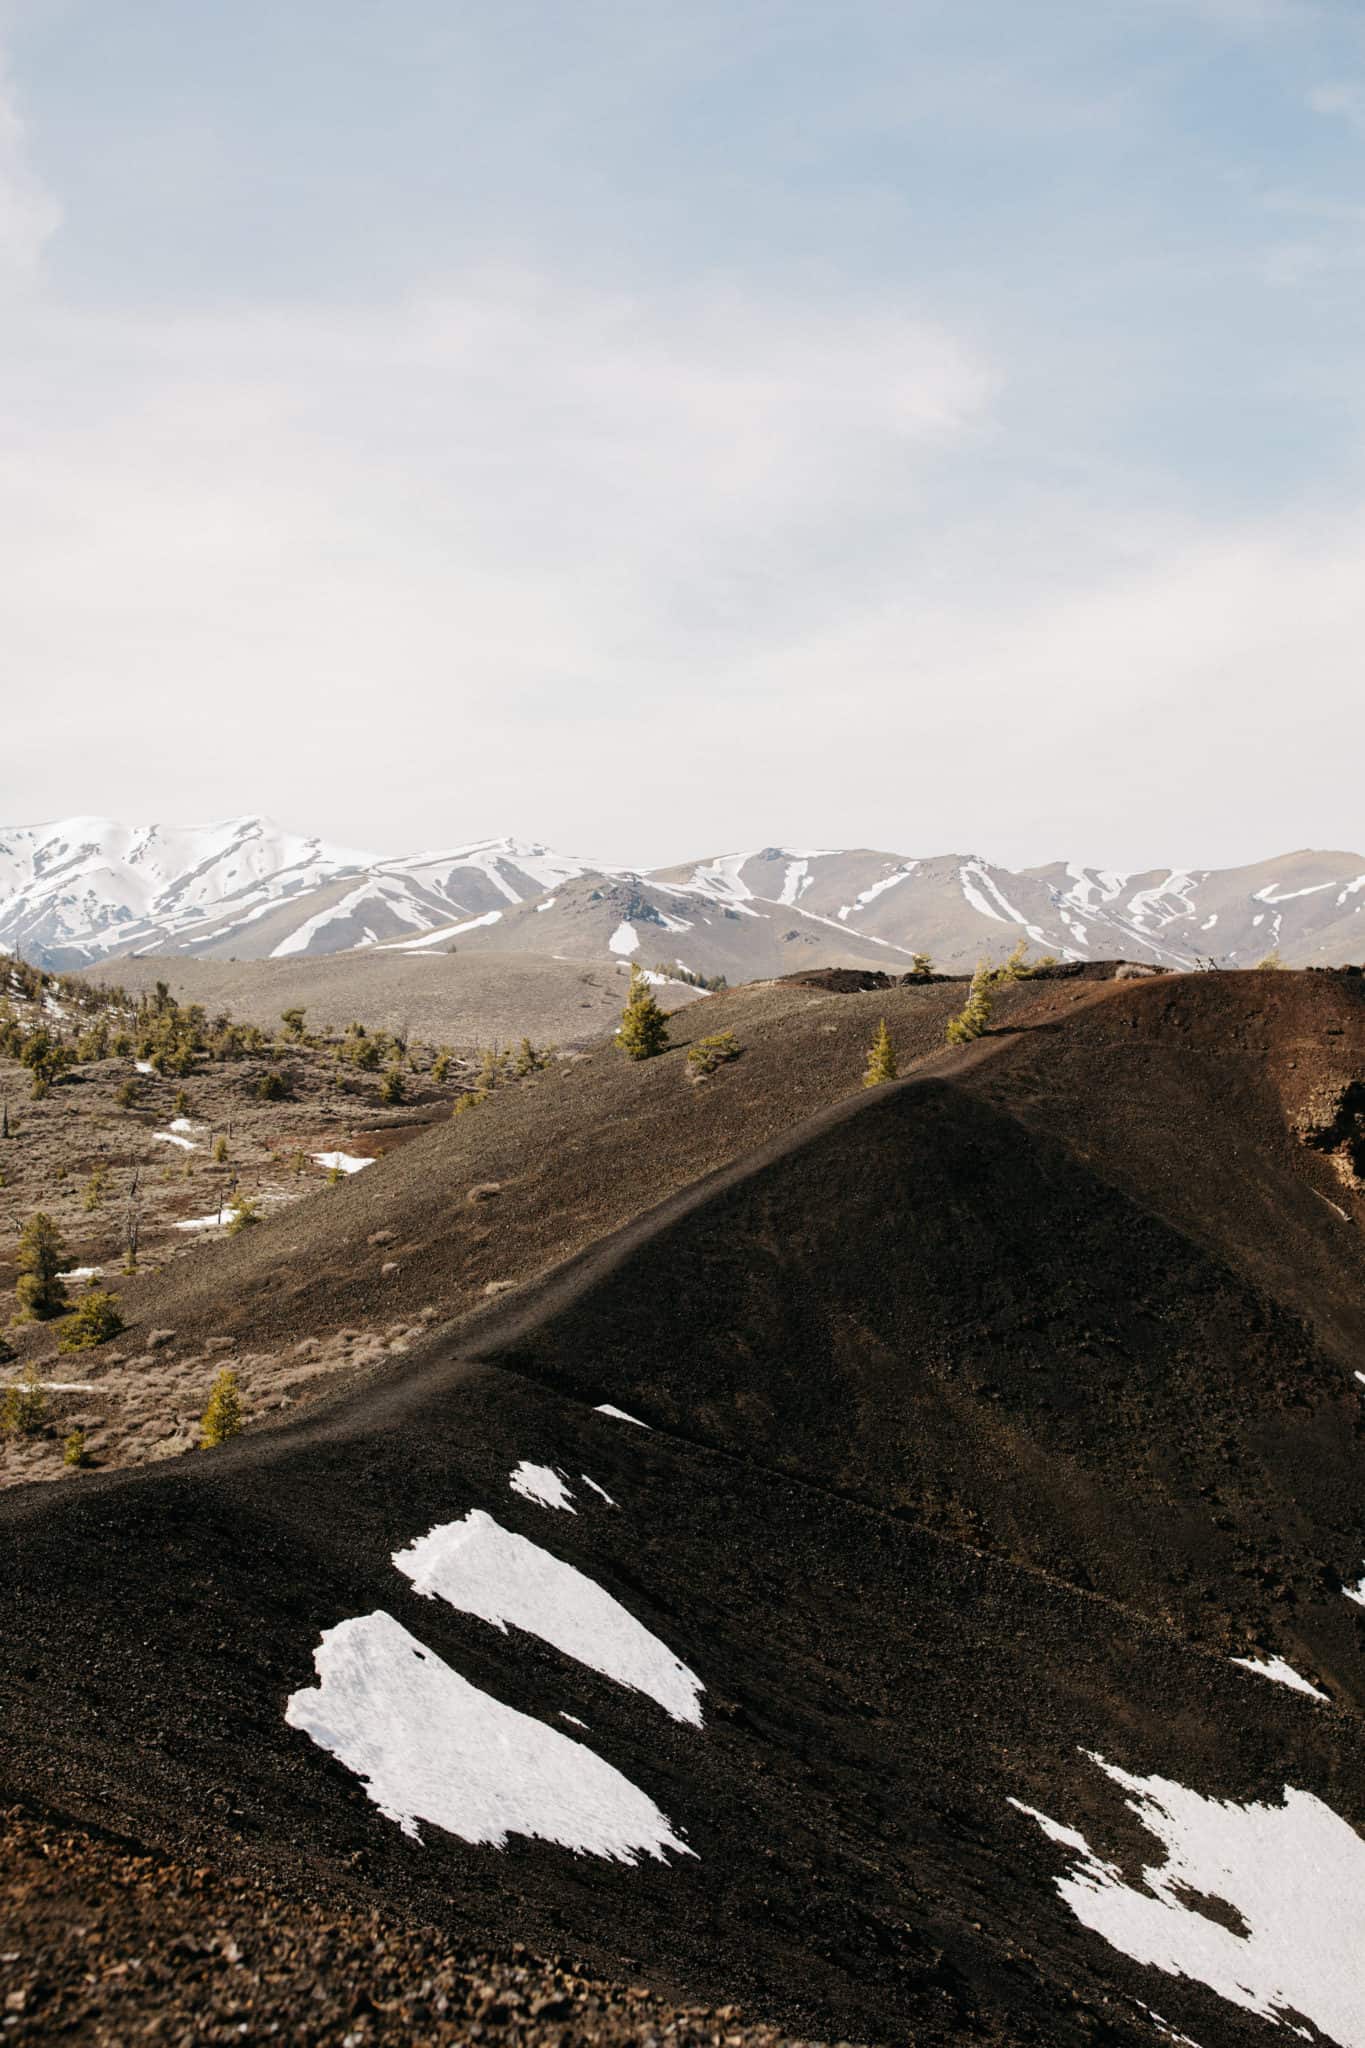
[499, 1065]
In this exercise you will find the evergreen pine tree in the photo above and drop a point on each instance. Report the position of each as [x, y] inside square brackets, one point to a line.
[41, 1257]
[975, 1014]
[224, 1417]
[95, 1321]
[391, 1090]
[881, 1059]
[921, 966]
[643, 1030]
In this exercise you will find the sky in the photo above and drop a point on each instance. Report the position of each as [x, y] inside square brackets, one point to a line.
[925, 424]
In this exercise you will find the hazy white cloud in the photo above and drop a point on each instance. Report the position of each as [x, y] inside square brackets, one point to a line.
[457, 510]
[945, 547]
[29, 214]
[1344, 101]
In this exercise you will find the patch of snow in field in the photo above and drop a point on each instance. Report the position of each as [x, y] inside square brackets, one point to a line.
[1209, 923]
[429, 1746]
[184, 1125]
[339, 1162]
[1294, 1874]
[83, 1273]
[548, 904]
[605, 1408]
[1356, 1592]
[1282, 1673]
[484, 1569]
[61, 1386]
[1351, 888]
[174, 1138]
[213, 1222]
[597, 1489]
[625, 939]
[573, 1718]
[543, 1485]
[144, 1067]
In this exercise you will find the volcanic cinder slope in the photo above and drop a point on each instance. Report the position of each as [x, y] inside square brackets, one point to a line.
[876, 1554]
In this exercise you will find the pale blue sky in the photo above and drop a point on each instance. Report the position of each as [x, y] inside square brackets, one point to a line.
[656, 428]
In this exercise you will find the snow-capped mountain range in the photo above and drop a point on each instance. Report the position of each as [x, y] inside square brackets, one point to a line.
[88, 890]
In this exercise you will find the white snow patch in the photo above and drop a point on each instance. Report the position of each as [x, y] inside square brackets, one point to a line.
[1092, 888]
[184, 1126]
[902, 874]
[174, 1138]
[83, 1273]
[625, 939]
[1287, 895]
[212, 1222]
[797, 878]
[484, 1569]
[1351, 888]
[978, 901]
[429, 1746]
[1284, 1674]
[572, 1719]
[597, 1489]
[144, 1066]
[1356, 1592]
[543, 1485]
[62, 1386]
[1164, 2027]
[605, 1408]
[548, 904]
[430, 940]
[1293, 1873]
[340, 1162]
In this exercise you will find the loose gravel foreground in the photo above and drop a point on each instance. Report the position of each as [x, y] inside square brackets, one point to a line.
[106, 1945]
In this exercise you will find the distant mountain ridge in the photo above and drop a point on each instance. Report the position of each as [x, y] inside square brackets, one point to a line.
[84, 891]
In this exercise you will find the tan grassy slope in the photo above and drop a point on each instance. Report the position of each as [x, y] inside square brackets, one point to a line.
[458, 999]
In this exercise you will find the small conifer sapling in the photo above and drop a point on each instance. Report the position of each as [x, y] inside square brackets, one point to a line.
[224, 1417]
[40, 1260]
[643, 1030]
[881, 1059]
